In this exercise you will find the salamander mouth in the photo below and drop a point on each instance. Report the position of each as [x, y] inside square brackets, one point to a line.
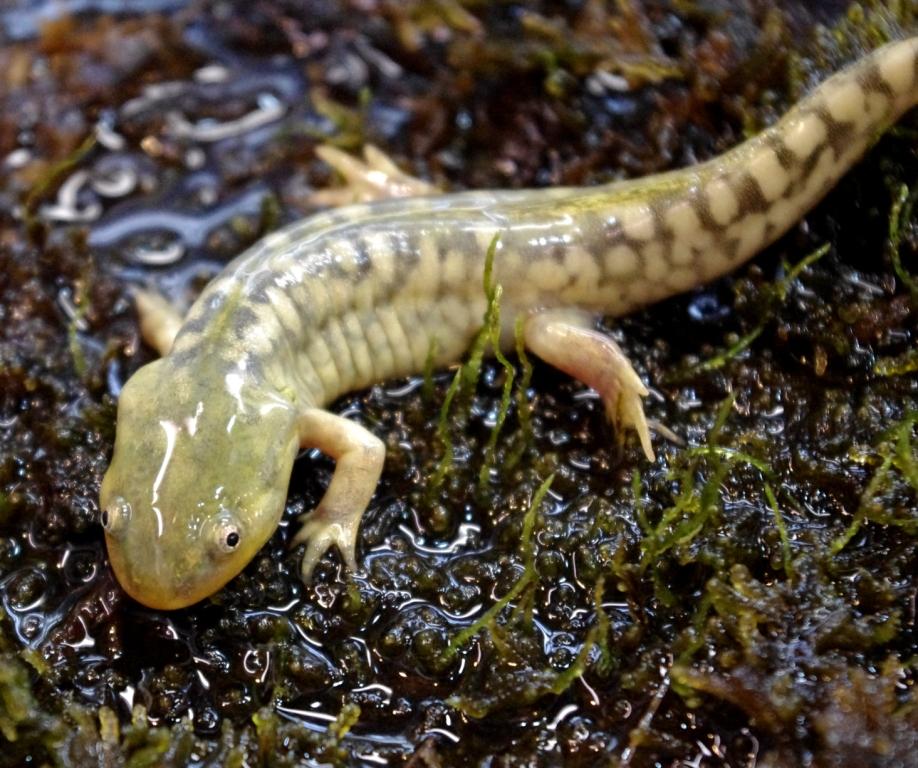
[151, 587]
[163, 599]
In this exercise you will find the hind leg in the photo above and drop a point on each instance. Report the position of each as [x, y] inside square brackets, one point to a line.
[568, 340]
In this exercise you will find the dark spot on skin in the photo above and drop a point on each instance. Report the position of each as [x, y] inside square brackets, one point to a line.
[195, 326]
[607, 236]
[612, 233]
[569, 283]
[793, 188]
[182, 355]
[442, 248]
[770, 232]
[839, 134]
[661, 233]
[407, 248]
[701, 204]
[806, 169]
[462, 240]
[750, 195]
[257, 288]
[731, 248]
[785, 156]
[363, 264]
[242, 320]
[871, 80]
[404, 248]
[810, 162]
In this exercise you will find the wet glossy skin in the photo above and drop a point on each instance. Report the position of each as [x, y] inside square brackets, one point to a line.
[175, 444]
[206, 437]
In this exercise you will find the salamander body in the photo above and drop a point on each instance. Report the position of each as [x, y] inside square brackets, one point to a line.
[207, 435]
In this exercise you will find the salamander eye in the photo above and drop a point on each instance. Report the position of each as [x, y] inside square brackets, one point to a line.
[228, 536]
[231, 540]
[115, 516]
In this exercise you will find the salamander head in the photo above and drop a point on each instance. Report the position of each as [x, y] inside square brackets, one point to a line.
[197, 482]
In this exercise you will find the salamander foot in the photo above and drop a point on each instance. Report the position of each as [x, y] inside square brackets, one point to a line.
[567, 340]
[375, 177]
[359, 457]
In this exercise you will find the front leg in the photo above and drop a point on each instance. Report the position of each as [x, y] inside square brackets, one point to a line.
[159, 320]
[359, 457]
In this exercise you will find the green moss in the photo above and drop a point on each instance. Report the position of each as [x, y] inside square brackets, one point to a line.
[488, 619]
[781, 528]
[553, 44]
[466, 377]
[771, 299]
[601, 632]
[417, 20]
[270, 214]
[347, 718]
[17, 705]
[427, 389]
[870, 24]
[81, 307]
[523, 406]
[350, 123]
[901, 214]
[895, 452]
[492, 322]
[903, 365]
[54, 174]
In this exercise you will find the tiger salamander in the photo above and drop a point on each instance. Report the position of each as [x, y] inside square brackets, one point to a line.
[207, 435]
